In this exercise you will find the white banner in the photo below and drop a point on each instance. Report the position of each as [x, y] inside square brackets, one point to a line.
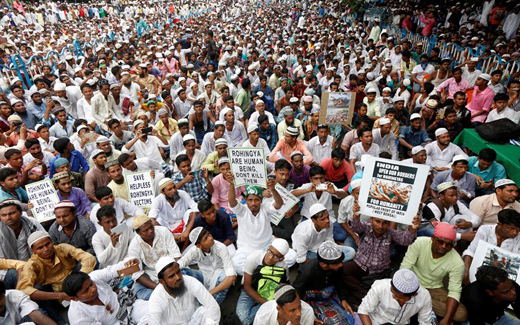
[489, 254]
[248, 166]
[391, 189]
[141, 188]
[43, 197]
[289, 201]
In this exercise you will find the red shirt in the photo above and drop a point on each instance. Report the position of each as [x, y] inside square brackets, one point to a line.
[335, 175]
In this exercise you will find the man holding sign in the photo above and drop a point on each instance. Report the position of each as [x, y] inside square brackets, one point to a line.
[254, 220]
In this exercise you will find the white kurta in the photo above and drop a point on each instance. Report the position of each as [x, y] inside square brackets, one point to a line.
[122, 208]
[106, 253]
[171, 216]
[195, 306]
[268, 314]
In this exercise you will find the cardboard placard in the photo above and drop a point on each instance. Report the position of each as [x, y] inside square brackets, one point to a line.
[491, 255]
[248, 166]
[391, 189]
[141, 188]
[289, 201]
[337, 108]
[43, 197]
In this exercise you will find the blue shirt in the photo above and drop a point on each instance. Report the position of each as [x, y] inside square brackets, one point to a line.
[58, 131]
[21, 195]
[37, 110]
[418, 138]
[28, 119]
[78, 163]
[221, 229]
[269, 136]
[467, 182]
[267, 92]
[493, 173]
[196, 188]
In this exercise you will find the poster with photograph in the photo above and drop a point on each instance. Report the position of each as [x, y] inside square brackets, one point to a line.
[43, 197]
[289, 201]
[141, 188]
[489, 254]
[248, 166]
[392, 190]
[337, 108]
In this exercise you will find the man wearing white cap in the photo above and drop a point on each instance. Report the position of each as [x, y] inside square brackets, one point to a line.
[399, 298]
[441, 152]
[97, 176]
[487, 207]
[166, 126]
[212, 258]
[412, 135]
[105, 144]
[289, 144]
[253, 296]
[234, 129]
[208, 142]
[196, 156]
[179, 299]
[104, 106]
[145, 145]
[373, 106]
[385, 138]
[67, 98]
[48, 266]
[176, 140]
[469, 71]
[481, 101]
[286, 306]
[211, 162]
[466, 182]
[311, 233]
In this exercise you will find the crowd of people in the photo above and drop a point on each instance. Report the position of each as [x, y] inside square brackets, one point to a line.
[174, 85]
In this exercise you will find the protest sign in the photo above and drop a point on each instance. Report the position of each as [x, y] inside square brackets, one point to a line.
[337, 108]
[43, 197]
[141, 188]
[392, 190]
[248, 166]
[491, 255]
[289, 201]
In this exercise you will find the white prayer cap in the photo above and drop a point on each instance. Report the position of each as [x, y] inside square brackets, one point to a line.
[356, 183]
[330, 252]
[194, 234]
[59, 86]
[163, 262]
[164, 182]
[444, 186]
[406, 82]
[387, 89]
[398, 99]
[474, 59]
[281, 245]
[440, 131]
[316, 208]
[36, 236]
[458, 158]
[102, 139]
[96, 152]
[307, 99]
[293, 100]
[417, 149]
[415, 116]
[188, 137]
[405, 281]
[291, 130]
[384, 121]
[371, 90]
[504, 182]
[484, 76]
[183, 121]
[220, 141]
[252, 128]
[370, 76]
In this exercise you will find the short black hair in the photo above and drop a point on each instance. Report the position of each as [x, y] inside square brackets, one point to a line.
[338, 153]
[74, 282]
[204, 205]
[489, 277]
[61, 144]
[316, 170]
[262, 119]
[123, 158]
[105, 211]
[2, 288]
[509, 216]
[11, 152]
[287, 297]
[31, 142]
[180, 159]
[113, 121]
[500, 96]
[102, 192]
[363, 130]
[488, 155]
[390, 110]
[282, 164]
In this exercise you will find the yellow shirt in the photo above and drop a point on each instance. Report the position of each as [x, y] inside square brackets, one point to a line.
[38, 271]
[6, 264]
[164, 131]
[119, 190]
[209, 164]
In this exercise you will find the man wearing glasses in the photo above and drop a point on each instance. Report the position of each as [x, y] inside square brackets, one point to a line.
[431, 259]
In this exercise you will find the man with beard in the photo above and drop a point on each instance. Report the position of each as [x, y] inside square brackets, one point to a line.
[69, 228]
[129, 88]
[175, 210]
[97, 176]
[35, 153]
[125, 211]
[47, 268]
[14, 230]
[117, 180]
[94, 301]
[63, 184]
[148, 81]
[487, 207]
[287, 307]
[174, 290]
[104, 107]
[289, 121]
[105, 144]
[15, 306]
[412, 135]
[321, 145]
[441, 152]
[37, 107]
[28, 119]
